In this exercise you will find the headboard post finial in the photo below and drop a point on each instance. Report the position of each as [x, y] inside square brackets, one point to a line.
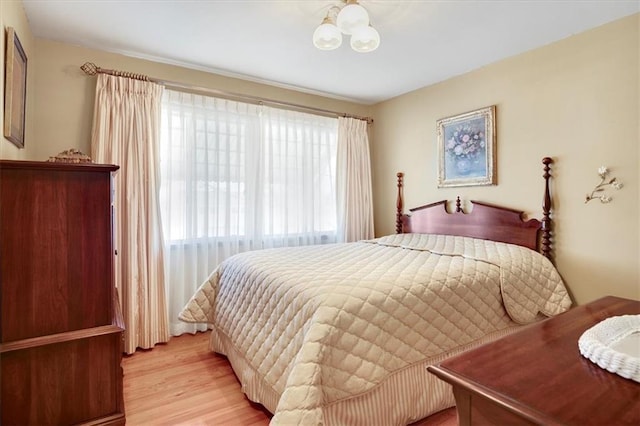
[546, 210]
[458, 205]
[399, 204]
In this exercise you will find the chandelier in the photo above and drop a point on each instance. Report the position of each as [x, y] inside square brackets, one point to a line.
[350, 19]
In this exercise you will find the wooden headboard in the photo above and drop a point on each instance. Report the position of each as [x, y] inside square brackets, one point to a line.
[485, 221]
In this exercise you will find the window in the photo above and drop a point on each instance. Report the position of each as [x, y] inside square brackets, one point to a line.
[237, 171]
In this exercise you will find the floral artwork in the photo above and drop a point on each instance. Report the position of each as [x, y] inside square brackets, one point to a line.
[15, 85]
[466, 148]
[466, 145]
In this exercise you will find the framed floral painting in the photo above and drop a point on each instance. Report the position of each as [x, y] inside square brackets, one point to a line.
[466, 149]
[15, 89]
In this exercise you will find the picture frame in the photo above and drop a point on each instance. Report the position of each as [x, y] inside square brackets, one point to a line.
[15, 89]
[466, 149]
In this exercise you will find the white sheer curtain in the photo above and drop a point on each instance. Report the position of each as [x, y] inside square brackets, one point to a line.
[298, 178]
[126, 125]
[238, 177]
[355, 199]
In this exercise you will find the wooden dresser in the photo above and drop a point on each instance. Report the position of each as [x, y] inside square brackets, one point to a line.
[61, 326]
[537, 376]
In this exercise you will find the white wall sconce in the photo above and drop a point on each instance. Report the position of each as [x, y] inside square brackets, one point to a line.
[598, 192]
[350, 19]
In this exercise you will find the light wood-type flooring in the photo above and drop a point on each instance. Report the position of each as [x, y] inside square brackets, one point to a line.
[182, 383]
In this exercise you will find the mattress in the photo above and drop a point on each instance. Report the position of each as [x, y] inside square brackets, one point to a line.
[313, 328]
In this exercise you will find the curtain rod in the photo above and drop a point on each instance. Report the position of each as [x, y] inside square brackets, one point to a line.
[90, 68]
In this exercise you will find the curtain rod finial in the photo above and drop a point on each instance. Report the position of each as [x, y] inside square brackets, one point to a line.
[90, 68]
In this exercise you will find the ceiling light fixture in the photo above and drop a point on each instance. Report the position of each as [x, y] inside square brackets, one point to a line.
[351, 19]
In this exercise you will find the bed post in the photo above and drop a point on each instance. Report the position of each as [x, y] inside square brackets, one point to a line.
[546, 210]
[399, 204]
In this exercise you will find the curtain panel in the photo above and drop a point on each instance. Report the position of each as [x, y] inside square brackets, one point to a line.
[126, 126]
[355, 195]
[239, 177]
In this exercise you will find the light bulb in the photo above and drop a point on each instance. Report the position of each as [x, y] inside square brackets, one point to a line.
[365, 39]
[352, 16]
[327, 36]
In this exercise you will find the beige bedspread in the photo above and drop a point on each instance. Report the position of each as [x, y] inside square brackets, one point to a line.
[323, 323]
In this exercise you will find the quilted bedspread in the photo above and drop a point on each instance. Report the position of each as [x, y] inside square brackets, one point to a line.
[324, 323]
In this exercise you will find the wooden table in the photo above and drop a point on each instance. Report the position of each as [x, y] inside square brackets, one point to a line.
[537, 375]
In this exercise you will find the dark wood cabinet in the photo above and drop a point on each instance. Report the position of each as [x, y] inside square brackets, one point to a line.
[61, 326]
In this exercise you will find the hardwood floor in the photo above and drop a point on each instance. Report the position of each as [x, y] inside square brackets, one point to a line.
[181, 382]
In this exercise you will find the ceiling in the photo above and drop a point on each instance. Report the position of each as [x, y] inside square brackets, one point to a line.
[269, 41]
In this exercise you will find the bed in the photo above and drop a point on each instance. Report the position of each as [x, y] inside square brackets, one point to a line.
[342, 334]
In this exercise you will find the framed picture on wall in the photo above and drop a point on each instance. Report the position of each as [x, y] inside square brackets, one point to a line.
[15, 89]
[466, 149]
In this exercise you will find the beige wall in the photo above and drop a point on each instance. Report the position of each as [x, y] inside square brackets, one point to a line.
[64, 109]
[576, 101]
[12, 15]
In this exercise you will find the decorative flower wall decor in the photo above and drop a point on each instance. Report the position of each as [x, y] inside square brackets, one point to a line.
[598, 192]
